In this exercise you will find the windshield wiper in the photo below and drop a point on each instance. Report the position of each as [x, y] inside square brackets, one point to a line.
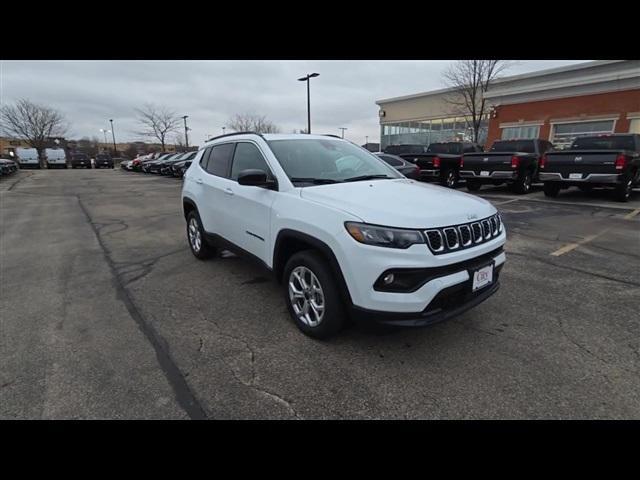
[315, 181]
[365, 177]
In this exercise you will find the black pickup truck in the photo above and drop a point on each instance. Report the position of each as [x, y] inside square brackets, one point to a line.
[508, 161]
[405, 149]
[441, 161]
[594, 161]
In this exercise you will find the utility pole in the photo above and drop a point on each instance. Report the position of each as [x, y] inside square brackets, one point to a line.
[113, 135]
[186, 134]
[343, 129]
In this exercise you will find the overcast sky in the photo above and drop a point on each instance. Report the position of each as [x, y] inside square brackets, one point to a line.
[89, 93]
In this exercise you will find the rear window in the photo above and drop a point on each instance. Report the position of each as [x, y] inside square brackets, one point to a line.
[405, 149]
[527, 146]
[452, 148]
[604, 143]
[393, 161]
[79, 156]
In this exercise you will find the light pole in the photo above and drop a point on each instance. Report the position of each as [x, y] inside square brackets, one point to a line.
[307, 79]
[366, 141]
[105, 135]
[186, 135]
[113, 135]
[223, 130]
[343, 129]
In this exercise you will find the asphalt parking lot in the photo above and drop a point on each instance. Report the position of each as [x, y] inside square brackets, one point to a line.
[106, 314]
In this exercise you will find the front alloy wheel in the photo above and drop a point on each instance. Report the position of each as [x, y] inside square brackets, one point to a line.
[307, 296]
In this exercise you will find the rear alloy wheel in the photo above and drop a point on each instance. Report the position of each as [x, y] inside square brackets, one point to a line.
[523, 184]
[451, 179]
[473, 186]
[311, 295]
[551, 189]
[623, 190]
[195, 234]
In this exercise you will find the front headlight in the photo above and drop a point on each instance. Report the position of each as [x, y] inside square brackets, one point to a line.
[383, 236]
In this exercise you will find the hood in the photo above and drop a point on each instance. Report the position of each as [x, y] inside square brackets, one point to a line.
[401, 203]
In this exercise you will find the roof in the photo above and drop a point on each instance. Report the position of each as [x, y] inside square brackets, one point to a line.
[498, 81]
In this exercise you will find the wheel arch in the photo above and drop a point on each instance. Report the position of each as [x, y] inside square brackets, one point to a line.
[188, 206]
[288, 242]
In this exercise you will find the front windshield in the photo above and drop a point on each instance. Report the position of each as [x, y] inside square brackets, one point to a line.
[309, 160]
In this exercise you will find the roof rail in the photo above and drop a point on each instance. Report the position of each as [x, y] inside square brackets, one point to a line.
[332, 135]
[234, 133]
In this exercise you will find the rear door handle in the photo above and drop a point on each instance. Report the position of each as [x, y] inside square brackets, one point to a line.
[199, 180]
[228, 191]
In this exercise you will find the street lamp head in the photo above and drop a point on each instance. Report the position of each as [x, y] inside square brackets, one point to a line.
[303, 79]
[185, 116]
[314, 75]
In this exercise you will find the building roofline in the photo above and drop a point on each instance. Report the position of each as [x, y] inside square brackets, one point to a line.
[537, 73]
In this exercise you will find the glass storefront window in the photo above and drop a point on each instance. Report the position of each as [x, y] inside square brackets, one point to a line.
[524, 131]
[563, 134]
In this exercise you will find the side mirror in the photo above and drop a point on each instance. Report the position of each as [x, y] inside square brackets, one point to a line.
[255, 178]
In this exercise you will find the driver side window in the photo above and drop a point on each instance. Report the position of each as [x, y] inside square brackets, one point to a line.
[248, 157]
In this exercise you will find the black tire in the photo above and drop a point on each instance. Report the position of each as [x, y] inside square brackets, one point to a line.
[473, 186]
[623, 190]
[523, 184]
[334, 316]
[204, 251]
[551, 189]
[450, 179]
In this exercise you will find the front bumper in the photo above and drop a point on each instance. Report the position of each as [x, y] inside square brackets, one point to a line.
[595, 178]
[449, 303]
[362, 265]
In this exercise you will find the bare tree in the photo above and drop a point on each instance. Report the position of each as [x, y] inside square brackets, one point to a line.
[157, 122]
[469, 80]
[252, 123]
[33, 123]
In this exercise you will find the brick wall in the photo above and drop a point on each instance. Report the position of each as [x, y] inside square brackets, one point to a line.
[611, 104]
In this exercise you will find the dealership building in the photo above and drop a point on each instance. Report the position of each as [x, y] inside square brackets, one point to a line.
[558, 105]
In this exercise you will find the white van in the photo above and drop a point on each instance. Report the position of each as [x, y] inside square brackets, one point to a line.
[56, 158]
[27, 157]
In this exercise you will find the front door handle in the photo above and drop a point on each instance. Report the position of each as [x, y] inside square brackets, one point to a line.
[228, 191]
[199, 180]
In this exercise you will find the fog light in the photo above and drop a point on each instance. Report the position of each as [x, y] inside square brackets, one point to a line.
[388, 279]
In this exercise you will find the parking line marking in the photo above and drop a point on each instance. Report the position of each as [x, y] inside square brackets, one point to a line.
[629, 216]
[572, 246]
[508, 201]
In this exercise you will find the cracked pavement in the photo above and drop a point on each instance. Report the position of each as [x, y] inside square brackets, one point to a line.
[106, 314]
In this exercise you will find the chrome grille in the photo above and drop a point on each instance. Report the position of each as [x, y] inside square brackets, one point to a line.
[477, 232]
[434, 237]
[451, 235]
[486, 229]
[467, 235]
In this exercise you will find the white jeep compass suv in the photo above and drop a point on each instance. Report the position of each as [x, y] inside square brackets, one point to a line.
[347, 235]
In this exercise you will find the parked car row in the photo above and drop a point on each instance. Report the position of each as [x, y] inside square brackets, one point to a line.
[168, 164]
[7, 167]
[611, 161]
[57, 158]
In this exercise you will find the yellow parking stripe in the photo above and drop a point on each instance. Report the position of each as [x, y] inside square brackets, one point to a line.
[573, 246]
[629, 216]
